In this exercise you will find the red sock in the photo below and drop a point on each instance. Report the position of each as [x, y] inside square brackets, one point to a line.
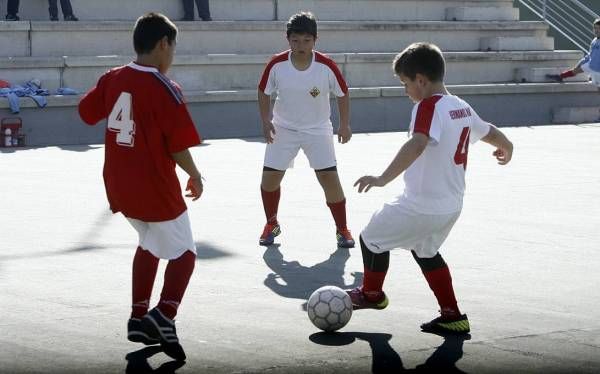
[338, 210]
[373, 284]
[440, 283]
[143, 274]
[177, 276]
[567, 74]
[271, 204]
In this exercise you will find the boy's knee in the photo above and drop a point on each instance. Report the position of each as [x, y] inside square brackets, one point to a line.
[429, 264]
[374, 261]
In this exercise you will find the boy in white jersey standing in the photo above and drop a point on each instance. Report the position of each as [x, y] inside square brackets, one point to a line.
[302, 79]
[434, 161]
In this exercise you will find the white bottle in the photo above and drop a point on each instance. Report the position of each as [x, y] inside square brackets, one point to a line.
[7, 138]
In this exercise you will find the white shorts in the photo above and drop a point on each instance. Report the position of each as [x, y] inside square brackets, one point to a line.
[396, 226]
[166, 239]
[594, 75]
[318, 148]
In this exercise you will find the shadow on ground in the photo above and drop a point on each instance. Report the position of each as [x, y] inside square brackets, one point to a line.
[210, 251]
[387, 360]
[293, 280]
[137, 362]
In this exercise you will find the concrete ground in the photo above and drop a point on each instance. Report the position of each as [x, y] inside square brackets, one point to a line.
[523, 257]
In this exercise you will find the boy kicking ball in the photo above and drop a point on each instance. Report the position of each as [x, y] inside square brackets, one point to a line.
[149, 131]
[434, 161]
[302, 79]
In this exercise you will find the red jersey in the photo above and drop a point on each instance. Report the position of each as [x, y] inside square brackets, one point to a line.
[147, 121]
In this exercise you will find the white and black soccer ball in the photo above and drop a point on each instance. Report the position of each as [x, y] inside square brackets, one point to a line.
[329, 308]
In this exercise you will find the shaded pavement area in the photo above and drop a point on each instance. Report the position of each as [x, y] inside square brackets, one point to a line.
[523, 256]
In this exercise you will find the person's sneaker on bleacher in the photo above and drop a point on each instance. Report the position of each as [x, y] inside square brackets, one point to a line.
[71, 17]
[448, 325]
[344, 239]
[156, 325]
[136, 334]
[12, 17]
[360, 301]
[554, 77]
[269, 233]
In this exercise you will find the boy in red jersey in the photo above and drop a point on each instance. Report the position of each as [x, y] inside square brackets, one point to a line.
[149, 131]
[302, 79]
[434, 162]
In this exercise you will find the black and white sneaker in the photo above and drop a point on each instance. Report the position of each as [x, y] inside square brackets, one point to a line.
[156, 325]
[448, 325]
[137, 335]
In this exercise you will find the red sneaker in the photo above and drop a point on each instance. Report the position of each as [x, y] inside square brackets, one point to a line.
[359, 301]
[269, 233]
[344, 239]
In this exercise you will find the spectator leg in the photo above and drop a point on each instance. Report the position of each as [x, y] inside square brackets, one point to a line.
[203, 9]
[67, 9]
[53, 8]
[188, 9]
[12, 7]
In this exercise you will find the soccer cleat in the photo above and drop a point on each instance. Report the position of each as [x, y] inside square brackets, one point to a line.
[447, 325]
[136, 334]
[554, 77]
[344, 239]
[269, 233]
[359, 301]
[156, 325]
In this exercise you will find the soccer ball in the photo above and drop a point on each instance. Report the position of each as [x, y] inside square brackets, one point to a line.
[329, 308]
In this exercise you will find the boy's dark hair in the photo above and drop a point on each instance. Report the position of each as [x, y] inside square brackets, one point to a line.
[597, 21]
[421, 58]
[302, 23]
[150, 29]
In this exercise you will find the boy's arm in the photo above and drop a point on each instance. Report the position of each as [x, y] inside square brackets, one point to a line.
[264, 105]
[91, 106]
[409, 152]
[344, 132]
[504, 148]
[186, 162]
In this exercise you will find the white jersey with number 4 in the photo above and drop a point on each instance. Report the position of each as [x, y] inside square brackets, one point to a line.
[435, 182]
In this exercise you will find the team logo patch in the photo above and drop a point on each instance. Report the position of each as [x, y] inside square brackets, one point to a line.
[314, 92]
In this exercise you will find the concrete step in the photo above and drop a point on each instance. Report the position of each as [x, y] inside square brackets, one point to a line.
[227, 114]
[382, 10]
[538, 74]
[579, 114]
[252, 37]
[520, 43]
[233, 72]
[261, 10]
[482, 13]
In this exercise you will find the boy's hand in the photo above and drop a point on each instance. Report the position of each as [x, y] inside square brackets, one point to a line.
[344, 134]
[268, 131]
[194, 185]
[503, 155]
[365, 183]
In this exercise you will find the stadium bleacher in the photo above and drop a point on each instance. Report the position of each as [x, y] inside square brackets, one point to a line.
[495, 61]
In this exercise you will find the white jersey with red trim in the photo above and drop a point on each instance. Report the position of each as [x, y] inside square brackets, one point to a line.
[435, 182]
[302, 102]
